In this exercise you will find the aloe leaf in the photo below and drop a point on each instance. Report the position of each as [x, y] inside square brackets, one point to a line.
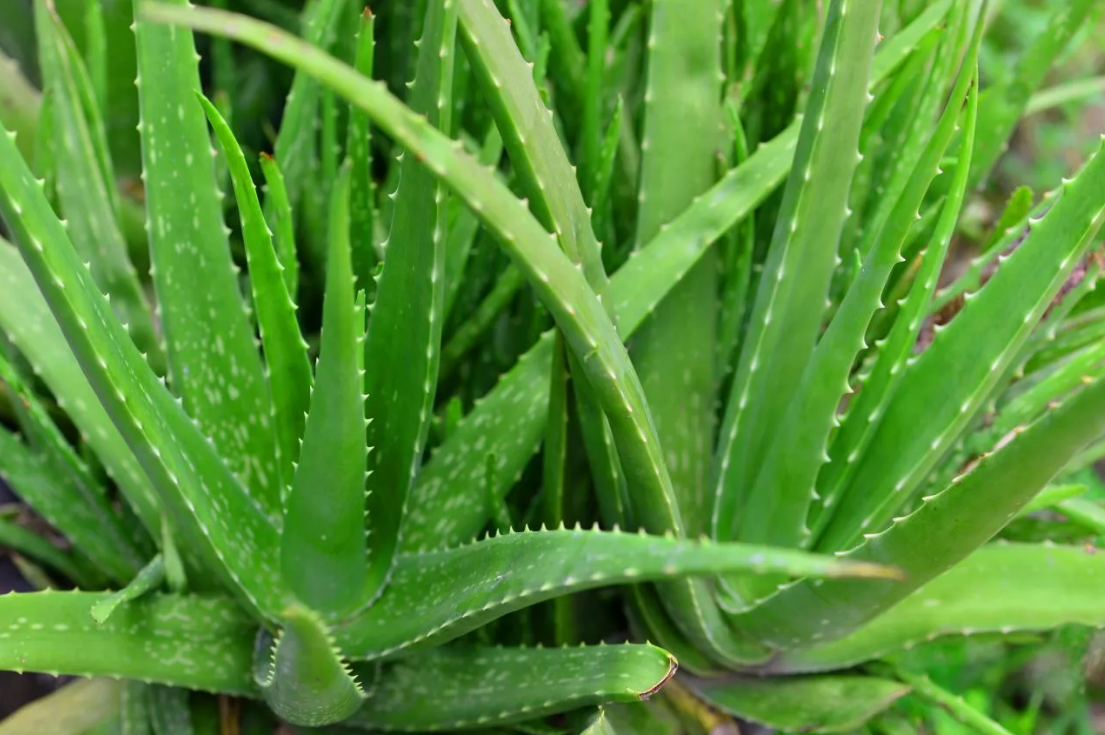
[71, 710]
[1002, 107]
[454, 475]
[869, 405]
[148, 579]
[358, 149]
[285, 349]
[283, 228]
[471, 687]
[436, 596]
[478, 322]
[555, 449]
[1001, 588]
[193, 642]
[632, 719]
[531, 140]
[134, 713]
[591, 139]
[790, 301]
[85, 183]
[305, 682]
[943, 531]
[214, 365]
[224, 530]
[23, 541]
[322, 547]
[673, 351]
[653, 621]
[830, 703]
[1066, 93]
[898, 457]
[58, 485]
[26, 319]
[404, 335]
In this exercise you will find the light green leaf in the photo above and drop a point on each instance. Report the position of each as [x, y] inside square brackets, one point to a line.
[194, 642]
[285, 349]
[403, 348]
[323, 548]
[213, 362]
[458, 688]
[148, 579]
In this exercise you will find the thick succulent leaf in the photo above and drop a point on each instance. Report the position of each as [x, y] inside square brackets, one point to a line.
[447, 502]
[526, 125]
[457, 688]
[285, 349]
[23, 541]
[951, 379]
[404, 335]
[134, 715]
[26, 320]
[194, 642]
[784, 488]
[305, 681]
[437, 596]
[323, 552]
[19, 105]
[673, 351]
[869, 405]
[72, 710]
[85, 182]
[956, 706]
[831, 703]
[1001, 588]
[633, 719]
[943, 531]
[787, 316]
[52, 479]
[213, 362]
[481, 319]
[147, 580]
[222, 527]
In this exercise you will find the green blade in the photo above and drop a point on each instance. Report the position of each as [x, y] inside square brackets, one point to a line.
[85, 182]
[59, 486]
[193, 642]
[323, 547]
[787, 315]
[404, 335]
[472, 687]
[437, 596]
[305, 681]
[831, 703]
[946, 528]
[285, 349]
[72, 710]
[169, 711]
[868, 407]
[1001, 588]
[975, 349]
[214, 364]
[283, 227]
[26, 320]
[673, 351]
[225, 531]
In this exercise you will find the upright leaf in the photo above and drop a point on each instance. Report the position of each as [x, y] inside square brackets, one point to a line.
[213, 363]
[790, 302]
[322, 548]
[403, 348]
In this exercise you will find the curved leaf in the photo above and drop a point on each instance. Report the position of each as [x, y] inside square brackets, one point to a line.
[72, 710]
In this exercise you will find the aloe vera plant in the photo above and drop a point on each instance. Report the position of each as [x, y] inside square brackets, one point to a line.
[298, 463]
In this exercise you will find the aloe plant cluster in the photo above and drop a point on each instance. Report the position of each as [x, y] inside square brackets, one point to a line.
[662, 280]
